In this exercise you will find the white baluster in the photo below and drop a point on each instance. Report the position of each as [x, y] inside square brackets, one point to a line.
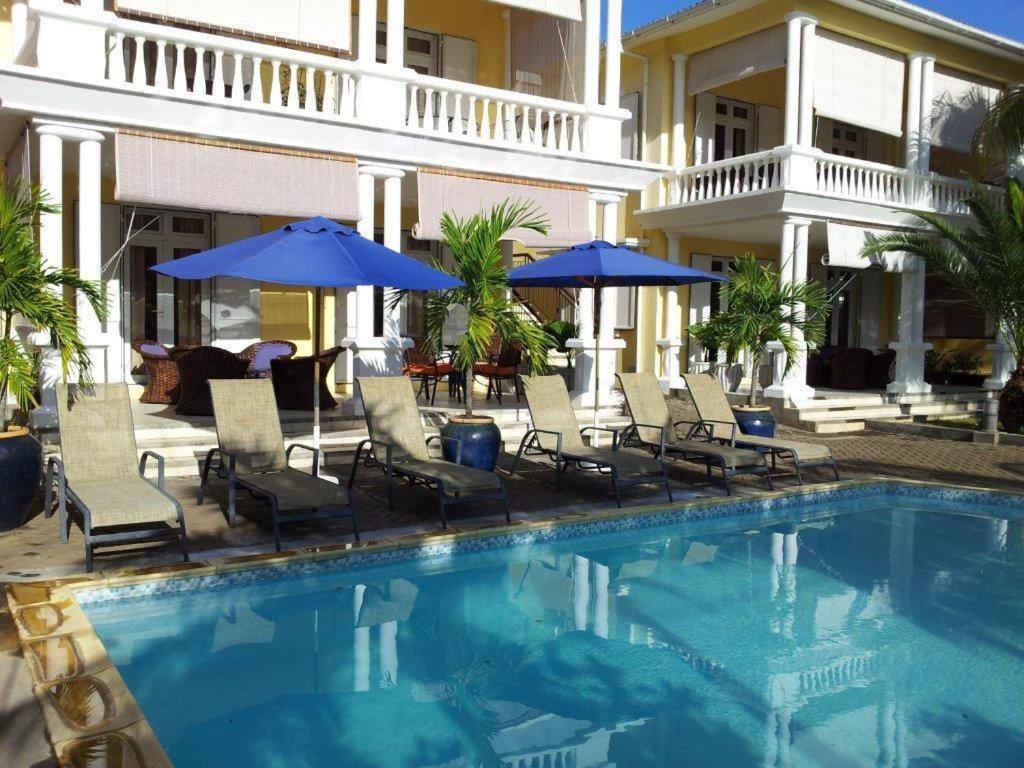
[538, 132]
[219, 84]
[457, 117]
[471, 125]
[275, 83]
[412, 116]
[485, 120]
[428, 110]
[256, 89]
[331, 102]
[500, 116]
[293, 87]
[577, 134]
[237, 81]
[442, 112]
[563, 132]
[310, 104]
[550, 137]
[347, 106]
[180, 84]
[161, 78]
[139, 65]
[199, 73]
[116, 70]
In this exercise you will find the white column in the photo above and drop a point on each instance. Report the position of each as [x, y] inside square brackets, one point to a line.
[51, 245]
[910, 349]
[924, 146]
[613, 53]
[806, 125]
[393, 240]
[368, 31]
[388, 654]
[580, 591]
[913, 111]
[360, 644]
[395, 34]
[609, 296]
[366, 228]
[678, 110]
[672, 342]
[583, 371]
[601, 581]
[793, 268]
[794, 22]
[89, 254]
[591, 52]
[1002, 362]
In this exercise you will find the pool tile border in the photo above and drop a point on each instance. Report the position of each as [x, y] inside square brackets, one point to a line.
[128, 729]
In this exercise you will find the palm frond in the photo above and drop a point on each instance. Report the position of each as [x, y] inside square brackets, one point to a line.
[1001, 133]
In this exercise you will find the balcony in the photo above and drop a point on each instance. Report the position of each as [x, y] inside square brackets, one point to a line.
[79, 45]
[798, 180]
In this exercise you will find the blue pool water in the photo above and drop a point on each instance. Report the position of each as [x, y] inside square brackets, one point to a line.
[872, 633]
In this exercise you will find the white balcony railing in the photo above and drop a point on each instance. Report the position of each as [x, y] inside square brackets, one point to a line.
[438, 106]
[86, 44]
[802, 170]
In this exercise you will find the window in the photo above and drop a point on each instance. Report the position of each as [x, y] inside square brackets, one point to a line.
[733, 127]
[847, 140]
[950, 314]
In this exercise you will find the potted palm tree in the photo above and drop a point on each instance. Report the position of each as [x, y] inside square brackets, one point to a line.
[761, 308]
[488, 311]
[30, 295]
[986, 262]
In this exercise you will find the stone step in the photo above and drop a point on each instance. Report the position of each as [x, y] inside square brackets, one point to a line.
[847, 401]
[954, 408]
[848, 414]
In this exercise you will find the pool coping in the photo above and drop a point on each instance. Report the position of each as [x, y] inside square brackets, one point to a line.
[53, 629]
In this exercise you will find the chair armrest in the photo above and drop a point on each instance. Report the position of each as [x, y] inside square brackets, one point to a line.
[613, 430]
[311, 449]
[731, 424]
[661, 430]
[695, 426]
[54, 473]
[389, 449]
[456, 440]
[558, 439]
[159, 466]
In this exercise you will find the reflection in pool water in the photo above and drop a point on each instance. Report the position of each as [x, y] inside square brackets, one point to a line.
[879, 636]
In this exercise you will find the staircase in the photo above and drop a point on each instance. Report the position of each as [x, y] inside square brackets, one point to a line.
[847, 412]
[543, 304]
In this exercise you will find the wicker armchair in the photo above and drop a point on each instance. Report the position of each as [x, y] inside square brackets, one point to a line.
[162, 372]
[196, 367]
[259, 355]
[500, 368]
[293, 381]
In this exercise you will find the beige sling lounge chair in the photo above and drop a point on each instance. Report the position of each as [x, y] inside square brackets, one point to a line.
[398, 446]
[653, 429]
[718, 419]
[100, 479]
[250, 455]
[556, 434]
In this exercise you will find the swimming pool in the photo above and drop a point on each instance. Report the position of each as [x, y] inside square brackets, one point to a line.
[878, 628]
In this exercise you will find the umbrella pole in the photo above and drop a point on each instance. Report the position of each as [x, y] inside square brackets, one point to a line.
[595, 439]
[317, 300]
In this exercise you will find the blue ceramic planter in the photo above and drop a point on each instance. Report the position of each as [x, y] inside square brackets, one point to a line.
[481, 441]
[759, 423]
[21, 463]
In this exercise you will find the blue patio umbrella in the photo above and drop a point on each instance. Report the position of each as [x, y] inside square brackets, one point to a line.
[599, 264]
[316, 253]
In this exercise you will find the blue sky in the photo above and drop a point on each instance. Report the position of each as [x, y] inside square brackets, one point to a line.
[1004, 17]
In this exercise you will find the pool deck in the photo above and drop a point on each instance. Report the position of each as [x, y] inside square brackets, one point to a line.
[34, 552]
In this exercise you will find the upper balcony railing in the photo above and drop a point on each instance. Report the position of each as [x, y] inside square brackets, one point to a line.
[816, 172]
[84, 44]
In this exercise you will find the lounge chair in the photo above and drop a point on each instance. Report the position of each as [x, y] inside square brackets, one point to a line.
[99, 479]
[556, 434]
[718, 419]
[398, 446]
[250, 454]
[654, 430]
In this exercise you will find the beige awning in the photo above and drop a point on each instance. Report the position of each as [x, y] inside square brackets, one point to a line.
[845, 242]
[183, 171]
[565, 9]
[466, 194]
[746, 56]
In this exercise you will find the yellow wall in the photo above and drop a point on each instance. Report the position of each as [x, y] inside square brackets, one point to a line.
[6, 46]
[472, 19]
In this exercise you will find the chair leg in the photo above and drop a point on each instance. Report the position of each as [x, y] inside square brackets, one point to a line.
[276, 526]
[441, 509]
[799, 474]
[355, 466]
[668, 488]
[88, 556]
[355, 525]
[559, 470]
[183, 541]
[496, 383]
[835, 468]
[231, 503]
[768, 477]
[519, 453]
[725, 480]
[203, 478]
[518, 387]
[615, 488]
[433, 396]
[390, 489]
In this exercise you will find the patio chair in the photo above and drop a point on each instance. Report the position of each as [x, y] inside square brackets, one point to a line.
[398, 446]
[196, 368]
[259, 355]
[99, 480]
[162, 381]
[653, 429]
[250, 455]
[502, 367]
[556, 433]
[714, 411]
[293, 381]
[427, 369]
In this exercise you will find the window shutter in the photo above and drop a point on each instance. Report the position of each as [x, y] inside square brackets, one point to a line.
[625, 308]
[458, 59]
[630, 127]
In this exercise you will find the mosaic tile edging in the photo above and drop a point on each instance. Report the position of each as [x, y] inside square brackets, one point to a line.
[758, 510]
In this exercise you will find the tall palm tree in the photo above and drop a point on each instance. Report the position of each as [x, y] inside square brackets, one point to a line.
[33, 293]
[488, 310]
[986, 262]
[1001, 134]
[761, 308]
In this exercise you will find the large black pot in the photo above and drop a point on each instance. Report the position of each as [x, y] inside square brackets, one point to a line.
[21, 462]
[480, 437]
[755, 420]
